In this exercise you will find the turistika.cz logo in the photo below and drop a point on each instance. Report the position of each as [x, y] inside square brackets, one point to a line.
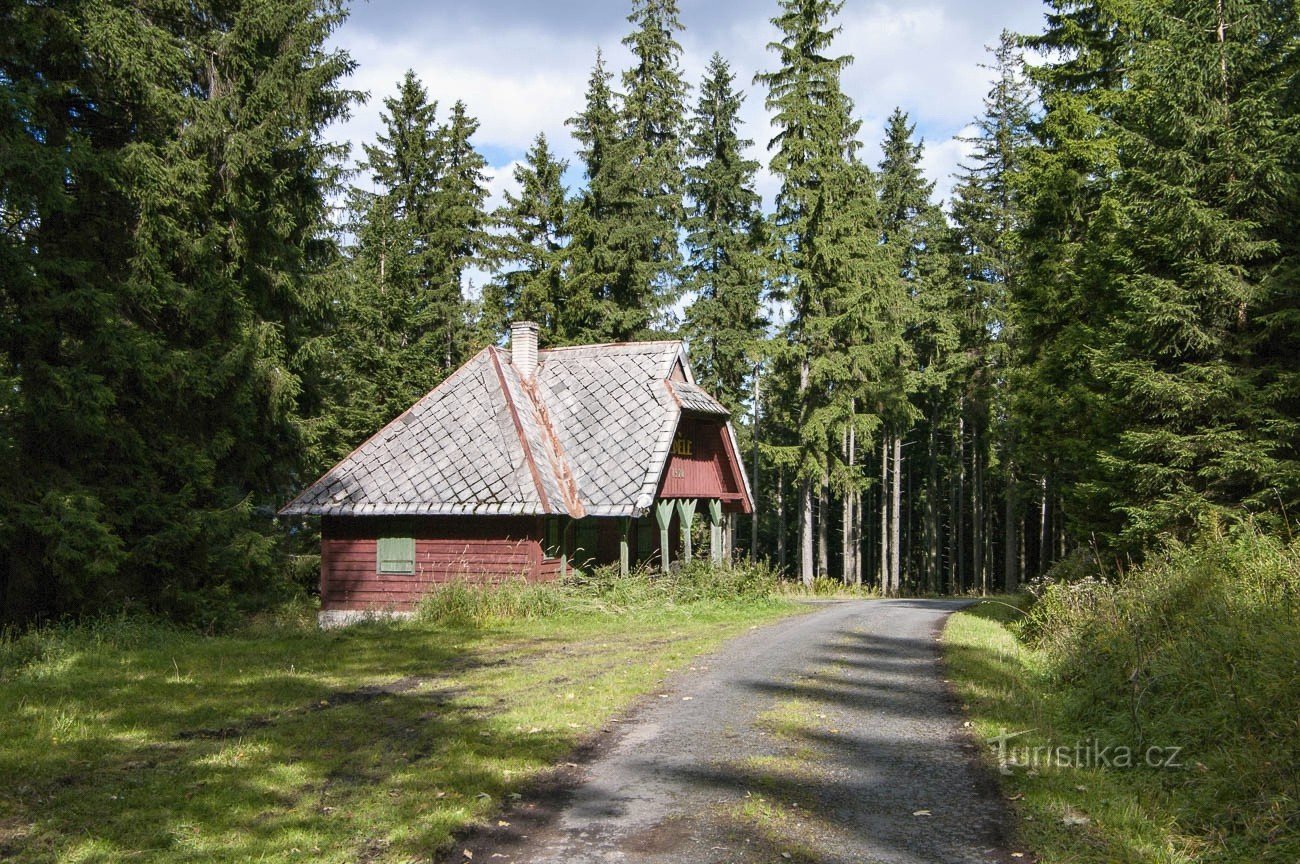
[1090, 753]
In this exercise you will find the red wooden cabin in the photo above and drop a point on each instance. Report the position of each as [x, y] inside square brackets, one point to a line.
[522, 464]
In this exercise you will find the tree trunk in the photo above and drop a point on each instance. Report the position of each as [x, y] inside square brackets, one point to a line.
[823, 529]
[978, 573]
[884, 513]
[806, 532]
[846, 521]
[1044, 529]
[1010, 536]
[853, 564]
[934, 578]
[753, 521]
[895, 520]
[782, 526]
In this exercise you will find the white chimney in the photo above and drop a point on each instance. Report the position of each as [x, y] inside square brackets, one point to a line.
[523, 348]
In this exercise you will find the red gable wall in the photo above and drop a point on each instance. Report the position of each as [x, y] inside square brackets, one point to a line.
[702, 464]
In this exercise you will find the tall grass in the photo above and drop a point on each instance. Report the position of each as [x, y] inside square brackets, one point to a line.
[600, 591]
[1198, 649]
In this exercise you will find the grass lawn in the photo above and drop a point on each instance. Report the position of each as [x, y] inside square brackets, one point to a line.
[375, 743]
[1069, 813]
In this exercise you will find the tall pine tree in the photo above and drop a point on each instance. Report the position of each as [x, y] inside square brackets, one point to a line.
[725, 321]
[531, 250]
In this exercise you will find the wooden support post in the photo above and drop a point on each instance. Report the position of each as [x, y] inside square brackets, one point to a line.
[623, 555]
[664, 516]
[686, 515]
[715, 530]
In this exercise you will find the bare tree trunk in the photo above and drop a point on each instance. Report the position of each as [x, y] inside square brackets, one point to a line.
[853, 502]
[806, 532]
[1044, 529]
[961, 505]
[884, 513]
[846, 520]
[823, 528]
[895, 520]
[753, 521]
[934, 578]
[1010, 536]
[782, 527]
[805, 500]
[979, 574]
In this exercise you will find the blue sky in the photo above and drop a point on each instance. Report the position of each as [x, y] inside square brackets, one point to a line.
[521, 67]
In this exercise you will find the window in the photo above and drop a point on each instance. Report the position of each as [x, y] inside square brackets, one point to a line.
[646, 534]
[554, 537]
[585, 553]
[396, 555]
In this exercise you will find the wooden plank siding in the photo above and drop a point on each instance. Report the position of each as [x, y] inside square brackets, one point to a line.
[702, 464]
[485, 550]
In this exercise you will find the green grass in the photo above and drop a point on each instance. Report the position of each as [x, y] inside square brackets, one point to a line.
[128, 740]
[1198, 650]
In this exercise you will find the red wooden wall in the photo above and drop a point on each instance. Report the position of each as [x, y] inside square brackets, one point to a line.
[485, 549]
[702, 465]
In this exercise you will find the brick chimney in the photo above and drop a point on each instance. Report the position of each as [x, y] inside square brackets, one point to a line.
[523, 348]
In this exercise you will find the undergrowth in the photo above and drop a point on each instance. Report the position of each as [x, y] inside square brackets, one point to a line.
[1198, 649]
[601, 591]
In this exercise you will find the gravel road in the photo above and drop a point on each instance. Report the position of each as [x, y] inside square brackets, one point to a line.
[828, 737]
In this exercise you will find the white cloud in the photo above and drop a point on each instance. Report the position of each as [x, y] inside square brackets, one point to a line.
[522, 69]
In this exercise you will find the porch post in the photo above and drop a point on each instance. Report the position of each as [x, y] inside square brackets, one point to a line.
[622, 546]
[715, 530]
[664, 516]
[686, 512]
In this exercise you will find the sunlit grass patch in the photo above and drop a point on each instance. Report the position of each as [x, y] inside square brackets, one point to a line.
[133, 741]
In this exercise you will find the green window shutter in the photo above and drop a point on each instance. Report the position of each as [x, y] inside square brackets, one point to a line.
[396, 555]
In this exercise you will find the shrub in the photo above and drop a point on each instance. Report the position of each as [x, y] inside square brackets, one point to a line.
[1199, 648]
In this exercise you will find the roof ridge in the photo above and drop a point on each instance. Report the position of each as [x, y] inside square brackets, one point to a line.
[610, 345]
[519, 430]
[564, 471]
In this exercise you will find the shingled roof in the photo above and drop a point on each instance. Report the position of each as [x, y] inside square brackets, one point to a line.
[588, 435]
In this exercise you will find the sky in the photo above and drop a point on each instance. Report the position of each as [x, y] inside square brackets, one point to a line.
[521, 66]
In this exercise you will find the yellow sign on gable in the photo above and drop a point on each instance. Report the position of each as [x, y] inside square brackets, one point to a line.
[683, 446]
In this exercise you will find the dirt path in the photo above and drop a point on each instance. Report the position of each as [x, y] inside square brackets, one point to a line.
[829, 737]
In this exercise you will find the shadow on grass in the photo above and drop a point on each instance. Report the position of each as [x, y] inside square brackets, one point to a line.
[237, 748]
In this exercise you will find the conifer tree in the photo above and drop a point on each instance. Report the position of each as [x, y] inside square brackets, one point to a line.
[594, 260]
[989, 214]
[916, 239]
[164, 185]
[827, 259]
[654, 126]
[725, 321]
[533, 242]
[456, 231]
[1201, 172]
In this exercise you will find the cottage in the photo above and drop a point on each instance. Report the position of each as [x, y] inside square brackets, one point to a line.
[522, 464]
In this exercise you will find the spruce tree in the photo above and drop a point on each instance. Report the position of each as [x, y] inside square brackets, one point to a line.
[594, 260]
[828, 265]
[392, 333]
[725, 321]
[654, 127]
[917, 241]
[531, 249]
[162, 301]
[988, 213]
[1202, 170]
[456, 231]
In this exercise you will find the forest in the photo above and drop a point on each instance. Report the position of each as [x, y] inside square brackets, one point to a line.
[1091, 350]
